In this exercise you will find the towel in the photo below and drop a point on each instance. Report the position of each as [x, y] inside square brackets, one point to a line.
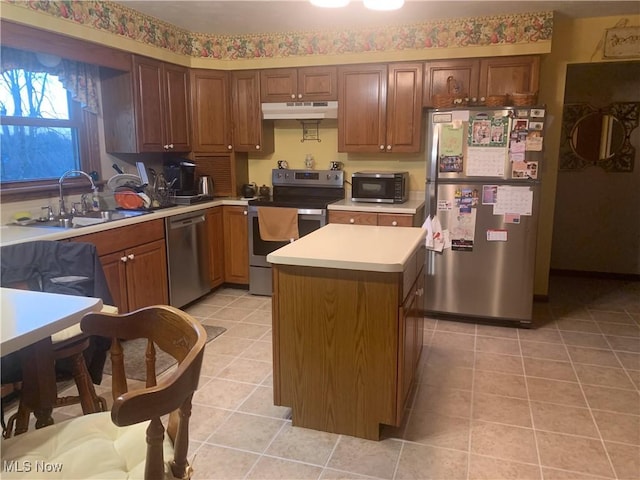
[278, 224]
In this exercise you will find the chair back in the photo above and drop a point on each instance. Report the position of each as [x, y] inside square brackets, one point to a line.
[181, 336]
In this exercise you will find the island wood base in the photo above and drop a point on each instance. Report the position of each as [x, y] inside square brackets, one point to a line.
[339, 353]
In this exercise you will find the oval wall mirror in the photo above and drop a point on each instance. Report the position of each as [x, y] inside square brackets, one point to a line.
[597, 136]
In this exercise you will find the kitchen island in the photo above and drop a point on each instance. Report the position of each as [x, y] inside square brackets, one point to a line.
[347, 326]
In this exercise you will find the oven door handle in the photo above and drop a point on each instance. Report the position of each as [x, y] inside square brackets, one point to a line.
[310, 211]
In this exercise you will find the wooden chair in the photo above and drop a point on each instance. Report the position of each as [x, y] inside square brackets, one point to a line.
[113, 445]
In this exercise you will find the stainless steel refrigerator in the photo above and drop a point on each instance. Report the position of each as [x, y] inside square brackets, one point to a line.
[482, 196]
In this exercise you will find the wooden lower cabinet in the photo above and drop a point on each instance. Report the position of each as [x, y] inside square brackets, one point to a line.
[346, 345]
[372, 218]
[134, 260]
[236, 244]
[215, 232]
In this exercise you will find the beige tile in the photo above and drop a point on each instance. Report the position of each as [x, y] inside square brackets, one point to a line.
[419, 462]
[260, 317]
[497, 331]
[623, 330]
[212, 463]
[331, 474]
[630, 361]
[624, 344]
[555, 391]
[495, 362]
[455, 377]
[507, 410]
[249, 302]
[625, 459]
[614, 317]
[537, 367]
[446, 357]
[580, 339]
[570, 310]
[260, 350]
[430, 428]
[505, 346]
[458, 327]
[231, 314]
[217, 299]
[555, 474]
[303, 445]
[260, 402]
[549, 334]
[202, 310]
[461, 341]
[573, 453]
[228, 345]
[246, 432]
[618, 427]
[205, 420]
[612, 399]
[248, 371]
[503, 441]
[248, 330]
[487, 468]
[500, 384]
[223, 393]
[550, 351]
[444, 401]
[563, 419]
[276, 468]
[604, 376]
[213, 363]
[635, 377]
[577, 325]
[365, 457]
[592, 356]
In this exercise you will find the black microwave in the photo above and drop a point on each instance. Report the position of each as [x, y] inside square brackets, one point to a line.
[380, 187]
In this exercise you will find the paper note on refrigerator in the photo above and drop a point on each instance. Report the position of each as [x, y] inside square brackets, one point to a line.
[486, 161]
[513, 200]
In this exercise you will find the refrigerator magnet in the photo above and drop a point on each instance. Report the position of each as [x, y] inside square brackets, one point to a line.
[512, 218]
[496, 235]
[537, 112]
[489, 194]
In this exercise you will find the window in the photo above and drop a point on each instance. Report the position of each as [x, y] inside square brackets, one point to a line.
[40, 127]
[48, 119]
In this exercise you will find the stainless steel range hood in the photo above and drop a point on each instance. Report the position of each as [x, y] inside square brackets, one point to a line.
[299, 110]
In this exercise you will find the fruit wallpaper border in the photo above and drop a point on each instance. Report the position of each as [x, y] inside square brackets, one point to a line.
[120, 20]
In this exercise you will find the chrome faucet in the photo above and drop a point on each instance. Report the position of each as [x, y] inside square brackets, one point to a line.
[63, 211]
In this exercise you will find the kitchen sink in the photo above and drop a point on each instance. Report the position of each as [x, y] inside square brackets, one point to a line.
[90, 218]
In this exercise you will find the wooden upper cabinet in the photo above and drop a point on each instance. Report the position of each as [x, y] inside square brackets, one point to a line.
[146, 109]
[506, 75]
[464, 73]
[210, 94]
[380, 108]
[299, 84]
[250, 133]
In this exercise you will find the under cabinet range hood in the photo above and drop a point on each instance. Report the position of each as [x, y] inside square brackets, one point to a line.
[299, 110]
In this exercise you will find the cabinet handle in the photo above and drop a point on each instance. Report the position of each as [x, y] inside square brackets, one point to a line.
[166, 147]
[171, 145]
[244, 212]
[352, 220]
[257, 147]
[229, 147]
[123, 259]
[381, 147]
[388, 147]
[293, 95]
[299, 95]
[394, 223]
[131, 256]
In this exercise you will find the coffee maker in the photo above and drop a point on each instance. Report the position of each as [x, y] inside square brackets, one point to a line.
[182, 176]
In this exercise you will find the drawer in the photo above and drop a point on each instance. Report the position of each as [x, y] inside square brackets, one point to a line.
[353, 218]
[395, 220]
[118, 239]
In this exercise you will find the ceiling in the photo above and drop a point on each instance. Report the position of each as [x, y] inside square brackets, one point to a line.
[237, 17]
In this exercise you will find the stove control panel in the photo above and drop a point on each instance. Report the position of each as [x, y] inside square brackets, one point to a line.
[315, 178]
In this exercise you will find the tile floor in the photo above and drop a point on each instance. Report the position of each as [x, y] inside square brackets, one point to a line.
[560, 401]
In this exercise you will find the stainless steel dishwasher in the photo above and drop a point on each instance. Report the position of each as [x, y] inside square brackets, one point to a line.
[187, 257]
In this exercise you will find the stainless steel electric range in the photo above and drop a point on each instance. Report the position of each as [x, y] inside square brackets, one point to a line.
[309, 191]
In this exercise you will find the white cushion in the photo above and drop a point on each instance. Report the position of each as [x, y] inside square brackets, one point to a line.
[74, 330]
[87, 447]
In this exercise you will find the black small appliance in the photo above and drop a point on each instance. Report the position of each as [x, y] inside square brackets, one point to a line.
[181, 175]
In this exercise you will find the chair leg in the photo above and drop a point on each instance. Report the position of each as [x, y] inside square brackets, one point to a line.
[89, 400]
[21, 421]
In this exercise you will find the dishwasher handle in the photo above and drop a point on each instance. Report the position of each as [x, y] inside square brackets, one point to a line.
[185, 222]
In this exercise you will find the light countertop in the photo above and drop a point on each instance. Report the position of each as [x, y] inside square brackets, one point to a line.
[10, 234]
[411, 206]
[352, 247]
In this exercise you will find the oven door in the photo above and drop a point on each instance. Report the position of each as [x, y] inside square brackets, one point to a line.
[308, 221]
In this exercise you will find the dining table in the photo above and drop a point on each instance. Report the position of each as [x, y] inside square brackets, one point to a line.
[27, 321]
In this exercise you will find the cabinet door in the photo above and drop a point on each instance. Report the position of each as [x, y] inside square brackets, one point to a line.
[279, 84]
[354, 218]
[404, 108]
[250, 133]
[147, 282]
[149, 104]
[114, 266]
[236, 242]
[464, 72]
[210, 96]
[177, 114]
[215, 231]
[362, 108]
[407, 349]
[506, 75]
[317, 84]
